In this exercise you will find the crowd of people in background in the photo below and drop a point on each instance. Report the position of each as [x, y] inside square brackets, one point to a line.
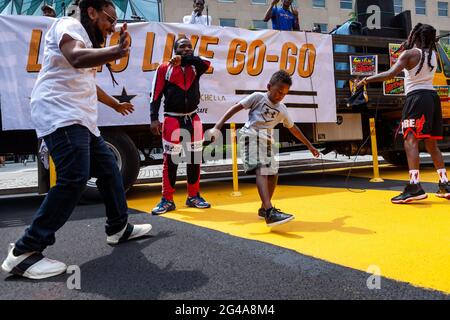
[284, 18]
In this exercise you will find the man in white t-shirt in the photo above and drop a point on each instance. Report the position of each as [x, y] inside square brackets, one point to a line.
[64, 113]
[197, 17]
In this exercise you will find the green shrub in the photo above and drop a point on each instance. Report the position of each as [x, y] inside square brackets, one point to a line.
[446, 48]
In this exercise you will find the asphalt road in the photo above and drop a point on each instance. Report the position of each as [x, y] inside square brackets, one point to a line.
[184, 261]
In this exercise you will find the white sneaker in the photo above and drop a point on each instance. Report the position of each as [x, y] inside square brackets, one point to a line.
[129, 232]
[32, 265]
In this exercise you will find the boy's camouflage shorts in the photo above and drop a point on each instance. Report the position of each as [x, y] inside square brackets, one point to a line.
[257, 152]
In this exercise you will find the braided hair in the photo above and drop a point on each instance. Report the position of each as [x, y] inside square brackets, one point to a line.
[93, 32]
[424, 36]
[409, 43]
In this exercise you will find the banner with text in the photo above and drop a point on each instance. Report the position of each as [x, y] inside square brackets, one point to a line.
[242, 62]
[363, 65]
[394, 53]
[394, 87]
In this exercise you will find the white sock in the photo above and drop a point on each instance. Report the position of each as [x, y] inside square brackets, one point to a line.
[414, 176]
[443, 175]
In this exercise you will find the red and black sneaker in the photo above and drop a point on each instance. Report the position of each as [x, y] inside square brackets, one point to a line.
[412, 192]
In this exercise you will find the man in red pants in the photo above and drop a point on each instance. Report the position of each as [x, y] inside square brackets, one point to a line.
[178, 81]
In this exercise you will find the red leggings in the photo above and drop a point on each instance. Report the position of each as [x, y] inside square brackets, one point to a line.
[182, 139]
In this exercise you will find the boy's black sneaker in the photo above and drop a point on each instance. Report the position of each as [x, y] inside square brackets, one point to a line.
[444, 190]
[412, 192]
[275, 217]
[262, 213]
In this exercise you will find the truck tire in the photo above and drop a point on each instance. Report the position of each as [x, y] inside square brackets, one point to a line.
[397, 158]
[127, 156]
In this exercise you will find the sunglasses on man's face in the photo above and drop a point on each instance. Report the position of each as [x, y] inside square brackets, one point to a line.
[111, 19]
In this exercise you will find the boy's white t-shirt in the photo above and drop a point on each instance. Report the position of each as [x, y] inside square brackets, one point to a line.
[63, 95]
[264, 115]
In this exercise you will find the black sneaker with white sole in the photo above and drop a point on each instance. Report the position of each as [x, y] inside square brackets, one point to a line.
[262, 213]
[444, 190]
[275, 217]
[412, 192]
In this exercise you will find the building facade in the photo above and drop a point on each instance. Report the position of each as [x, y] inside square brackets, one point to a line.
[326, 13]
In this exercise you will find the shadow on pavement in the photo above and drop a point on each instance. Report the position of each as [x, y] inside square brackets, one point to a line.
[127, 273]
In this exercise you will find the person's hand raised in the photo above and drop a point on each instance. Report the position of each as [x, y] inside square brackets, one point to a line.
[125, 41]
[175, 61]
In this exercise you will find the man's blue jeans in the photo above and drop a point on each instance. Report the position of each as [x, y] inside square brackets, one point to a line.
[78, 155]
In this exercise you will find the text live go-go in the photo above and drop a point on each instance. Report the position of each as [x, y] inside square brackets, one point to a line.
[242, 56]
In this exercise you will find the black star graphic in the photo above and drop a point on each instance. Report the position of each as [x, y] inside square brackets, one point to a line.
[124, 97]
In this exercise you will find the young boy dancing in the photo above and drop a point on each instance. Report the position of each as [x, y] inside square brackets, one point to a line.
[257, 143]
